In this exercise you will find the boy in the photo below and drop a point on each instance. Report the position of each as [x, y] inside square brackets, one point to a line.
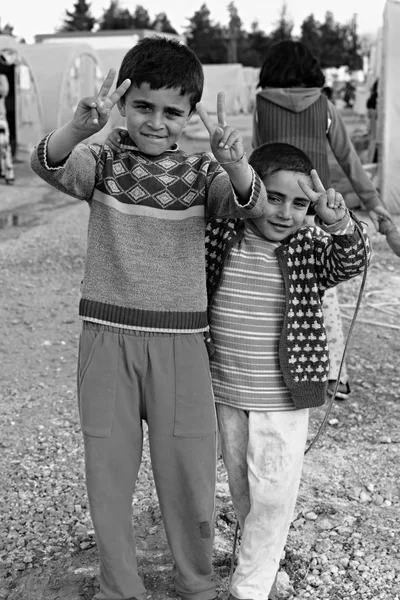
[270, 364]
[144, 305]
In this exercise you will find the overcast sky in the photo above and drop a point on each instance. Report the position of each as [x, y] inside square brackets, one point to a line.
[30, 17]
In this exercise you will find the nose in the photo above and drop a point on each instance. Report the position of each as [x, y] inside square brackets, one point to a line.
[156, 120]
[284, 211]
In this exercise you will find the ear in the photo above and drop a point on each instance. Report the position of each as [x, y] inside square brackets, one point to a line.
[121, 108]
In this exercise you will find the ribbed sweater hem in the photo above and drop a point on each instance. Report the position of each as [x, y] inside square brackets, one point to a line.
[308, 394]
[145, 320]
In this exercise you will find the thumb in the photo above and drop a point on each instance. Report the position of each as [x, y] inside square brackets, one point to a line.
[217, 135]
[375, 219]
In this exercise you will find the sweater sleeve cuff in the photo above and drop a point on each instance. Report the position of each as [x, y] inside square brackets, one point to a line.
[42, 155]
[343, 227]
[254, 192]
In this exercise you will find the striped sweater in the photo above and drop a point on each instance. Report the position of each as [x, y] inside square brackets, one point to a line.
[246, 319]
[145, 262]
[311, 261]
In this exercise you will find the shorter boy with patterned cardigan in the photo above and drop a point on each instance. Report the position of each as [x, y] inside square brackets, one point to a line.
[266, 281]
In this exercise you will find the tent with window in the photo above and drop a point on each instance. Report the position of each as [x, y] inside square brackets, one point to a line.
[65, 73]
[23, 103]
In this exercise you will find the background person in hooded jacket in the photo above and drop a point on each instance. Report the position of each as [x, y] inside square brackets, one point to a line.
[292, 108]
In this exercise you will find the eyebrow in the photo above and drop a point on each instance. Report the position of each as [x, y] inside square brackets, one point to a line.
[180, 111]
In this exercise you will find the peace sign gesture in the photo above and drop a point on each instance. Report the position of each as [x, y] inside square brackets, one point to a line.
[226, 142]
[93, 112]
[329, 205]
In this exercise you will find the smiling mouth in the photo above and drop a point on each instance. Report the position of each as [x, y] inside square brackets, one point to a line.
[283, 225]
[154, 137]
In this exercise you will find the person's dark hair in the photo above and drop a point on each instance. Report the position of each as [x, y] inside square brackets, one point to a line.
[163, 63]
[290, 64]
[327, 90]
[278, 156]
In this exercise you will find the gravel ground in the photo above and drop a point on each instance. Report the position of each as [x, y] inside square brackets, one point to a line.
[344, 539]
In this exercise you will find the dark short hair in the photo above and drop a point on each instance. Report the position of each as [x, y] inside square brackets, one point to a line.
[290, 64]
[278, 156]
[164, 63]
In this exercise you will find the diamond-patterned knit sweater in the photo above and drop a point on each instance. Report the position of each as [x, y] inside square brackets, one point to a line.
[145, 262]
[311, 261]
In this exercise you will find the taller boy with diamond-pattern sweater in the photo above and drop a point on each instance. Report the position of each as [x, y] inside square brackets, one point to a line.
[144, 305]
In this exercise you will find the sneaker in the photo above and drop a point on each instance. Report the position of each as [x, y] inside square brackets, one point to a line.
[343, 391]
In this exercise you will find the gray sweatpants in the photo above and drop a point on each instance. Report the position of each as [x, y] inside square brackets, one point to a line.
[126, 377]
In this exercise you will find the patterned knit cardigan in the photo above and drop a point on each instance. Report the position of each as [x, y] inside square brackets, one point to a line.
[311, 261]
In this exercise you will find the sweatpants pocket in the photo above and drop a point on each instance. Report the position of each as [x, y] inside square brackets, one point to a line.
[194, 400]
[97, 377]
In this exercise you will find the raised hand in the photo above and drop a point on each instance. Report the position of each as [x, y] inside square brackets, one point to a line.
[329, 205]
[226, 142]
[93, 112]
[377, 214]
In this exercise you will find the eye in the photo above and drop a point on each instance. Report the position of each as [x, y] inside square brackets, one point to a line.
[172, 114]
[274, 199]
[301, 204]
[143, 107]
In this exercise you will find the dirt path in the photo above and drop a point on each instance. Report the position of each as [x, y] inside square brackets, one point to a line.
[344, 539]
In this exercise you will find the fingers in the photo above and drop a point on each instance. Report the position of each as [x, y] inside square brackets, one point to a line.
[375, 219]
[381, 211]
[107, 83]
[208, 124]
[317, 183]
[119, 92]
[226, 137]
[95, 117]
[311, 195]
[221, 113]
[330, 198]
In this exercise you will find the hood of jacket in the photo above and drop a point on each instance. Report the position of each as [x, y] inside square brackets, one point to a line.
[293, 99]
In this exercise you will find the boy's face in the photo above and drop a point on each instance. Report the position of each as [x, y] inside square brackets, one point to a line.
[155, 119]
[287, 205]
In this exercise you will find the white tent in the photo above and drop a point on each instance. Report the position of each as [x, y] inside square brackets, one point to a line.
[389, 108]
[230, 79]
[65, 73]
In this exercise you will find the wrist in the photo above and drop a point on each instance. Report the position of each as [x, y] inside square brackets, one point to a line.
[234, 162]
[75, 133]
[240, 166]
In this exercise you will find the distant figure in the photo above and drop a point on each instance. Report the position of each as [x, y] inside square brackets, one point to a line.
[327, 90]
[372, 108]
[373, 97]
[291, 108]
[349, 94]
[6, 163]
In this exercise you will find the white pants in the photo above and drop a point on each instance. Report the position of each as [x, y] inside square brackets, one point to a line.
[334, 334]
[263, 454]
